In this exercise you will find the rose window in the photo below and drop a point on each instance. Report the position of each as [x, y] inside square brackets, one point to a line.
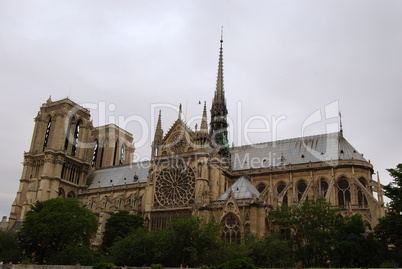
[175, 187]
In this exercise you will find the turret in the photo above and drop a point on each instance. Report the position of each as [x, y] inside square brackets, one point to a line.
[158, 136]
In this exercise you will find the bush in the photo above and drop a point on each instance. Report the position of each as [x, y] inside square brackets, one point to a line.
[103, 265]
[272, 252]
[389, 264]
[236, 264]
[156, 266]
[72, 255]
[9, 248]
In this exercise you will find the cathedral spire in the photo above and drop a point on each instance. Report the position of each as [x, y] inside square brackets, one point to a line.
[218, 130]
[204, 124]
[220, 92]
[340, 124]
[158, 131]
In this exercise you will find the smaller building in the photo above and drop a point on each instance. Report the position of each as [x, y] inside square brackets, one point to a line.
[4, 223]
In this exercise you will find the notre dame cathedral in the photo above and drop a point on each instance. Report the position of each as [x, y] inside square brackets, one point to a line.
[190, 172]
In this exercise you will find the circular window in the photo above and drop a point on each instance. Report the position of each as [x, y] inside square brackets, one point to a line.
[343, 184]
[280, 187]
[175, 186]
[301, 187]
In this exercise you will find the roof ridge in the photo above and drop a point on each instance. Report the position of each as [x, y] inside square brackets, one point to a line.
[121, 165]
[284, 140]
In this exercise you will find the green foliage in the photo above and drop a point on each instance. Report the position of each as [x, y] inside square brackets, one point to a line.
[118, 226]
[236, 264]
[272, 252]
[394, 189]
[137, 249]
[156, 266]
[389, 264]
[52, 228]
[9, 248]
[73, 254]
[311, 224]
[189, 241]
[231, 251]
[389, 229]
[354, 249]
[103, 265]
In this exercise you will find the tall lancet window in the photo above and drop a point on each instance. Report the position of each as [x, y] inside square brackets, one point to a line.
[361, 198]
[343, 192]
[49, 124]
[115, 153]
[101, 157]
[121, 154]
[95, 154]
[68, 130]
[75, 139]
[301, 188]
[280, 188]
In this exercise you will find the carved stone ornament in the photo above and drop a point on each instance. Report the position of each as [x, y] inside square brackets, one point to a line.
[178, 142]
[175, 186]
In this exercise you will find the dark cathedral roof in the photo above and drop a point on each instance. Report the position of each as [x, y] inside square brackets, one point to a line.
[318, 148]
[119, 175]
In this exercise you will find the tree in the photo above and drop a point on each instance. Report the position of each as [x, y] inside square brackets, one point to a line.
[353, 247]
[389, 228]
[272, 252]
[189, 241]
[137, 249]
[118, 226]
[311, 225]
[54, 227]
[9, 248]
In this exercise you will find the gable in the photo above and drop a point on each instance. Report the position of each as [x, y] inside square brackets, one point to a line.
[179, 138]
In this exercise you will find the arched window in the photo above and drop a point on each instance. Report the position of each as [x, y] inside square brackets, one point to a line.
[49, 124]
[281, 186]
[231, 229]
[301, 188]
[361, 198]
[95, 154]
[62, 194]
[343, 192]
[121, 154]
[323, 188]
[261, 187]
[75, 141]
[71, 195]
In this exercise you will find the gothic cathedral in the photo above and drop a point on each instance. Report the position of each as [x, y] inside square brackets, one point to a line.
[190, 172]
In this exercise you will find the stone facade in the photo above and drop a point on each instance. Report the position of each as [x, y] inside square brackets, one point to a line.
[191, 172]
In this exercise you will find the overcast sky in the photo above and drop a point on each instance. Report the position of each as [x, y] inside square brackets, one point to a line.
[283, 62]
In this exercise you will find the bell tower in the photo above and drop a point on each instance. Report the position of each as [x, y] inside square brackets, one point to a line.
[59, 158]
